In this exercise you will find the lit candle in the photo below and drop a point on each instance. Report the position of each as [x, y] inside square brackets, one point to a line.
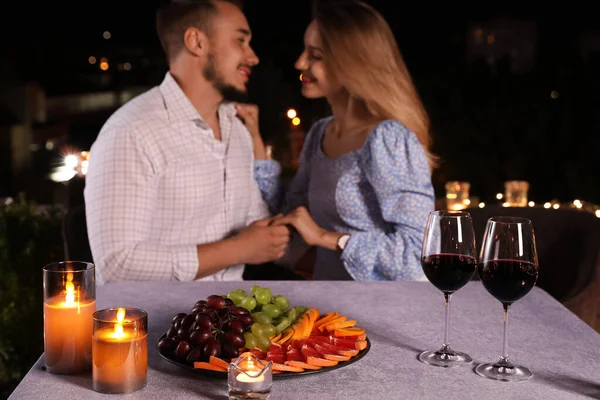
[69, 303]
[120, 350]
[249, 377]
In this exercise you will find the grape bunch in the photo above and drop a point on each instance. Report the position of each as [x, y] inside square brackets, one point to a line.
[214, 327]
[271, 314]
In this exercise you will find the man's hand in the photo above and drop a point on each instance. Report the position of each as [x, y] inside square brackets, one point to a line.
[262, 241]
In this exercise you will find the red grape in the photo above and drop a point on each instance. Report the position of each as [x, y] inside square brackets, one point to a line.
[178, 317]
[204, 321]
[247, 320]
[172, 332]
[240, 311]
[166, 345]
[200, 337]
[194, 355]
[215, 301]
[235, 338]
[212, 348]
[187, 321]
[184, 334]
[237, 326]
[182, 351]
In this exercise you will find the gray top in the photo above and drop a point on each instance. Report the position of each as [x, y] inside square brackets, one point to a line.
[401, 318]
[323, 186]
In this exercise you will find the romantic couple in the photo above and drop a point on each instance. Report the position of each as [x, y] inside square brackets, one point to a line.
[179, 186]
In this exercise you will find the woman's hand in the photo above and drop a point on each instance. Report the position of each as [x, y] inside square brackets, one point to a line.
[311, 233]
[248, 113]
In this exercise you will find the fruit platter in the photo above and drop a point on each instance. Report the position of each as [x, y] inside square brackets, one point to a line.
[298, 340]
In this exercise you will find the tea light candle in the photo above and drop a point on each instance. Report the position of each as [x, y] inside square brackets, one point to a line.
[248, 377]
[68, 317]
[120, 350]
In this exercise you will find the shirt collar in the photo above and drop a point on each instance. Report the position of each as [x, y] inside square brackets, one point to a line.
[180, 108]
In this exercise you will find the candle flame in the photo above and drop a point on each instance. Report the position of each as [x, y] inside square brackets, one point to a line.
[119, 325]
[70, 290]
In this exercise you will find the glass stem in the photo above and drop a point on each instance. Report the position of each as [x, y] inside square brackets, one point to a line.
[505, 341]
[447, 297]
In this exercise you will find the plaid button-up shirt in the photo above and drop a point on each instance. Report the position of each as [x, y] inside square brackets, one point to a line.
[159, 183]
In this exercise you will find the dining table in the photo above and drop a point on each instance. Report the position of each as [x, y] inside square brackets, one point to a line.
[401, 320]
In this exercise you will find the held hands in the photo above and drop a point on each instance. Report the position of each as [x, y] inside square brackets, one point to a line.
[263, 241]
[311, 233]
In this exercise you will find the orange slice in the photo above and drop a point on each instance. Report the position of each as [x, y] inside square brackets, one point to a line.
[287, 367]
[218, 362]
[348, 332]
[209, 366]
[302, 365]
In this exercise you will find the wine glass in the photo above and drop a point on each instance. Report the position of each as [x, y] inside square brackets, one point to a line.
[508, 270]
[449, 259]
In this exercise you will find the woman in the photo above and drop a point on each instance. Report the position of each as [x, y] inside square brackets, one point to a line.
[363, 191]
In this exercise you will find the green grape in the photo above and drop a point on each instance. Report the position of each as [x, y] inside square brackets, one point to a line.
[268, 330]
[262, 296]
[254, 289]
[249, 303]
[263, 342]
[242, 292]
[251, 341]
[300, 309]
[292, 314]
[261, 318]
[271, 310]
[236, 297]
[283, 323]
[256, 329]
[282, 302]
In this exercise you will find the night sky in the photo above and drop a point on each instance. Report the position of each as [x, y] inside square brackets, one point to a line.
[507, 124]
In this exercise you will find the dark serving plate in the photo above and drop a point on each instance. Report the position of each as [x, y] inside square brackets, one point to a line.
[281, 375]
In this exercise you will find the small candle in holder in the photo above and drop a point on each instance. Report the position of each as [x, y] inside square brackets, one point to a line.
[120, 350]
[69, 302]
[457, 195]
[250, 378]
[516, 193]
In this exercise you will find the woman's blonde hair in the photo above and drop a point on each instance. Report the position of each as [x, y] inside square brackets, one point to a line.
[365, 59]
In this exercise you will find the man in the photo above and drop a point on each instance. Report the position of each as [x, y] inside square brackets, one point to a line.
[170, 192]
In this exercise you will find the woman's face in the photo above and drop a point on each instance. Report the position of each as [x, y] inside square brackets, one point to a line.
[315, 81]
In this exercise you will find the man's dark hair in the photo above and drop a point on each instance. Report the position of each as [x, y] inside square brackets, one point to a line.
[173, 19]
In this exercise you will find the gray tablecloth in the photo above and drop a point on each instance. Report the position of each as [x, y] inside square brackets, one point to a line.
[401, 319]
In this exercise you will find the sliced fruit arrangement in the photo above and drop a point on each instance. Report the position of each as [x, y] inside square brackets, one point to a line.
[221, 326]
[313, 342]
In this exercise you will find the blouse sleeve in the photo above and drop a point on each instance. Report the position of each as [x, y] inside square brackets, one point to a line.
[394, 163]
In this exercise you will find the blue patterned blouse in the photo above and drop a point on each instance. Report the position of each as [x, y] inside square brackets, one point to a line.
[380, 194]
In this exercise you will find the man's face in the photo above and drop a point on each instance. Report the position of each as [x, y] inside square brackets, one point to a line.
[230, 58]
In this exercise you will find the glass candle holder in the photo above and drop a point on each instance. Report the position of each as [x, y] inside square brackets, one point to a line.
[120, 350]
[457, 195]
[516, 193]
[69, 303]
[249, 378]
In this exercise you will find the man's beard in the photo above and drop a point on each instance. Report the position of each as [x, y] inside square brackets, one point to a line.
[229, 92]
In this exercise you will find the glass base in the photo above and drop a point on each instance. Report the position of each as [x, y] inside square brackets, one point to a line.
[445, 357]
[245, 395]
[503, 370]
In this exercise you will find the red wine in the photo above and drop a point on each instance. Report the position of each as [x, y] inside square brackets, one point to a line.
[448, 272]
[508, 280]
